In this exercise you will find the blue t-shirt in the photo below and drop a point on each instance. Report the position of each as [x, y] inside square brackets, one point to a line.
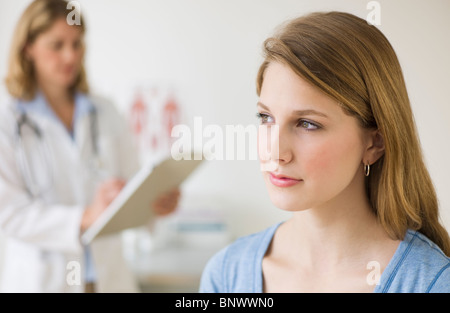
[418, 265]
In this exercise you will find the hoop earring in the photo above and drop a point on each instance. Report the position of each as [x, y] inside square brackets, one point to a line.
[367, 169]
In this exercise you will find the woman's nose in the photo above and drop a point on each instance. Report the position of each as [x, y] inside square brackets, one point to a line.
[71, 54]
[284, 149]
[274, 147]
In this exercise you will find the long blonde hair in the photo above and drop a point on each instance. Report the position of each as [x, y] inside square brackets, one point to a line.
[353, 63]
[36, 19]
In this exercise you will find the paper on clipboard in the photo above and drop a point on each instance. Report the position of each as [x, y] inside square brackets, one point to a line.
[131, 208]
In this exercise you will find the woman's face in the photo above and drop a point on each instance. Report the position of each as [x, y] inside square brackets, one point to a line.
[57, 54]
[321, 149]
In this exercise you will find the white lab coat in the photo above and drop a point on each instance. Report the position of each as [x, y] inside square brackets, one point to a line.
[42, 234]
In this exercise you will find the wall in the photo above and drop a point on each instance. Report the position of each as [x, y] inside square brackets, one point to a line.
[210, 51]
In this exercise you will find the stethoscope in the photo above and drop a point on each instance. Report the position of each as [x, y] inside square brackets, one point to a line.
[44, 153]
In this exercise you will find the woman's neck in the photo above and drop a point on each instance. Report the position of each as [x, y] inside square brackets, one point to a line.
[62, 102]
[57, 96]
[343, 230]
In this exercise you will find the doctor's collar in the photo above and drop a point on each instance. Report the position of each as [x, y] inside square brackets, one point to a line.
[39, 105]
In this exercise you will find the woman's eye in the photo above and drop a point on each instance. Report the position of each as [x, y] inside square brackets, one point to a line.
[265, 118]
[77, 44]
[307, 125]
[56, 45]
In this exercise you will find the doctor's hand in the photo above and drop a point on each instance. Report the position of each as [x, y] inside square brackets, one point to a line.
[105, 194]
[166, 203]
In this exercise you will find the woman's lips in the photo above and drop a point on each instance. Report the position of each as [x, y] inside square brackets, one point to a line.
[283, 181]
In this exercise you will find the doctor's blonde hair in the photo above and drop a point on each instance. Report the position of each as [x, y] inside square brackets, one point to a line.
[353, 63]
[38, 17]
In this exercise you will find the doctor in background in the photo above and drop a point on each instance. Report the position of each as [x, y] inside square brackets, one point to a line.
[64, 156]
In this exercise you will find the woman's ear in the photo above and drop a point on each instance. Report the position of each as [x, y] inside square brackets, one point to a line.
[375, 147]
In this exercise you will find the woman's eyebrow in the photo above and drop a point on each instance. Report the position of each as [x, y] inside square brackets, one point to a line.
[309, 112]
[262, 105]
[296, 112]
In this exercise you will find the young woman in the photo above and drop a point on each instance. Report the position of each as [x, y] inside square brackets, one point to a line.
[64, 156]
[348, 166]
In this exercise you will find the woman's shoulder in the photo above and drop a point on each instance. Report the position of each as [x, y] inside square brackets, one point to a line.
[106, 108]
[232, 268]
[420, 266]
[101, 103]
[253, 241]
[430, 262]
[425, 253]
[247, 246]
[8, 115]
[422, 244]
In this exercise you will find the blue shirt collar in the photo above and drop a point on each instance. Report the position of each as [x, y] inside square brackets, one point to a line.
[40, 106]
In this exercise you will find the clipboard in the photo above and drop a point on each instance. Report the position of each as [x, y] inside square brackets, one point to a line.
[132, 206]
